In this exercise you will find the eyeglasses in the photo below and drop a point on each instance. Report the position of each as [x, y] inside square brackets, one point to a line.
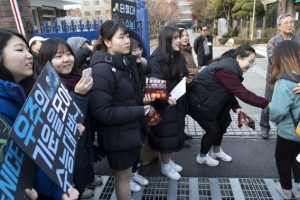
[137, 51]
[252, 64]
[287, 23]
[205, 30]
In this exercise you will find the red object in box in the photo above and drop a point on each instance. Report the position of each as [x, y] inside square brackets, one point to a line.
[244, 119]
[156, 87]
[154, 117]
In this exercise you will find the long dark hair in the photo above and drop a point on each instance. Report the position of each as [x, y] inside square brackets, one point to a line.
[135, 44]
[171, 58]
[285, 59]
[181, 30]
[48, 50]
[106, 32]
[5, 74]
[243, 51]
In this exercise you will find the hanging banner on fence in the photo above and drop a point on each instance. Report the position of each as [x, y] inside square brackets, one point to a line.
[16, 168]
[46, 128]
[124, 11]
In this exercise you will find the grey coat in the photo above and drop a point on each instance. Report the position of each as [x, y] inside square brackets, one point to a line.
[272, 43]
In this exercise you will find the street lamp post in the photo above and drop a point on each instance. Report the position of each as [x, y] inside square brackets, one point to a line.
[253, 21]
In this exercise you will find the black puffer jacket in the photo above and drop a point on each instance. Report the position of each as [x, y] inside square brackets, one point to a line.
[167, 136]
[209, 97]
[115, 101]
[199, 48]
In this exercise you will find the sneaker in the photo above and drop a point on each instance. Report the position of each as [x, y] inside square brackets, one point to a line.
[286, 194]
[265, 134]
[170, 172]
[97, 181]
[88, 193]
[134, 187]
[177, 168]
[208, 160]
[221, 155]
[139, 179]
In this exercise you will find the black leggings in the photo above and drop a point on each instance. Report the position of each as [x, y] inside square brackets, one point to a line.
[212, 137]
[285, 154]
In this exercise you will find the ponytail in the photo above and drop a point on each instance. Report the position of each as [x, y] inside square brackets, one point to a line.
[98, 45]
[243, 51]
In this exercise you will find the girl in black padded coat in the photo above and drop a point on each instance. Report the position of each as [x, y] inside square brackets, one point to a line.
[115, 103]
[167, 63]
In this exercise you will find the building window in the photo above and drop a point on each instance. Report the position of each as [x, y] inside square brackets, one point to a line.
[259, 22]
[271, 15]
[48, 12]
[186, 16]
[97, 12]
[96, 2]
[36, 21]
[86, 3]
[87, 13]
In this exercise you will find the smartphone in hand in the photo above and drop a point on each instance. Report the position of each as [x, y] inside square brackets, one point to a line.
[87, 72]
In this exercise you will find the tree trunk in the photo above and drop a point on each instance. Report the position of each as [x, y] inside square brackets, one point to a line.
[282, 7]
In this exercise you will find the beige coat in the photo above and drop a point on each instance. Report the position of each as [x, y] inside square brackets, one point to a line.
[190, 63]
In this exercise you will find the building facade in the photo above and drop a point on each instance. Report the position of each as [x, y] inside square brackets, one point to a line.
[7, 20]
[274, 8]
[185, 7]
[33, 13]
[96, 9]
[48, 10]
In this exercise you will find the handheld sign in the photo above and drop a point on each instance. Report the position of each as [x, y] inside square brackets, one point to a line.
[156, 88]
[16, 168]
[46, 128]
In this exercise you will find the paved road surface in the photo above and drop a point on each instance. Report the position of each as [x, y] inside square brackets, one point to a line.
[251, 175]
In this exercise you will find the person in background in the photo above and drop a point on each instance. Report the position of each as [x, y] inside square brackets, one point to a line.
[82, 50]
[83, 53]
[137, 50]
[286, 25]
[115, 103]
[215, 88]
[186, 51]
[168, 64]
[203, 47]
[62, 57]
[286, 60]
[16, 81]
[35, 44]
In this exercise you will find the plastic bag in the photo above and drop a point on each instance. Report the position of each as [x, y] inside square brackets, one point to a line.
[244, 119]
[154, 117]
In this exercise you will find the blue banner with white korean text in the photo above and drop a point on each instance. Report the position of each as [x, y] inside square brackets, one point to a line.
[124, 11]
[46, 128]
[16, 168]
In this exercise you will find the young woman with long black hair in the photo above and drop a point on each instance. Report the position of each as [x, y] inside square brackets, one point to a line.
[167, 63]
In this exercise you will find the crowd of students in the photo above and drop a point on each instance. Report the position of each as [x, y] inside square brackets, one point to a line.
[116, 108]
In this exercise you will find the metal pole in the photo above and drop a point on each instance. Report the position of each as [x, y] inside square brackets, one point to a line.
[253, 20]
